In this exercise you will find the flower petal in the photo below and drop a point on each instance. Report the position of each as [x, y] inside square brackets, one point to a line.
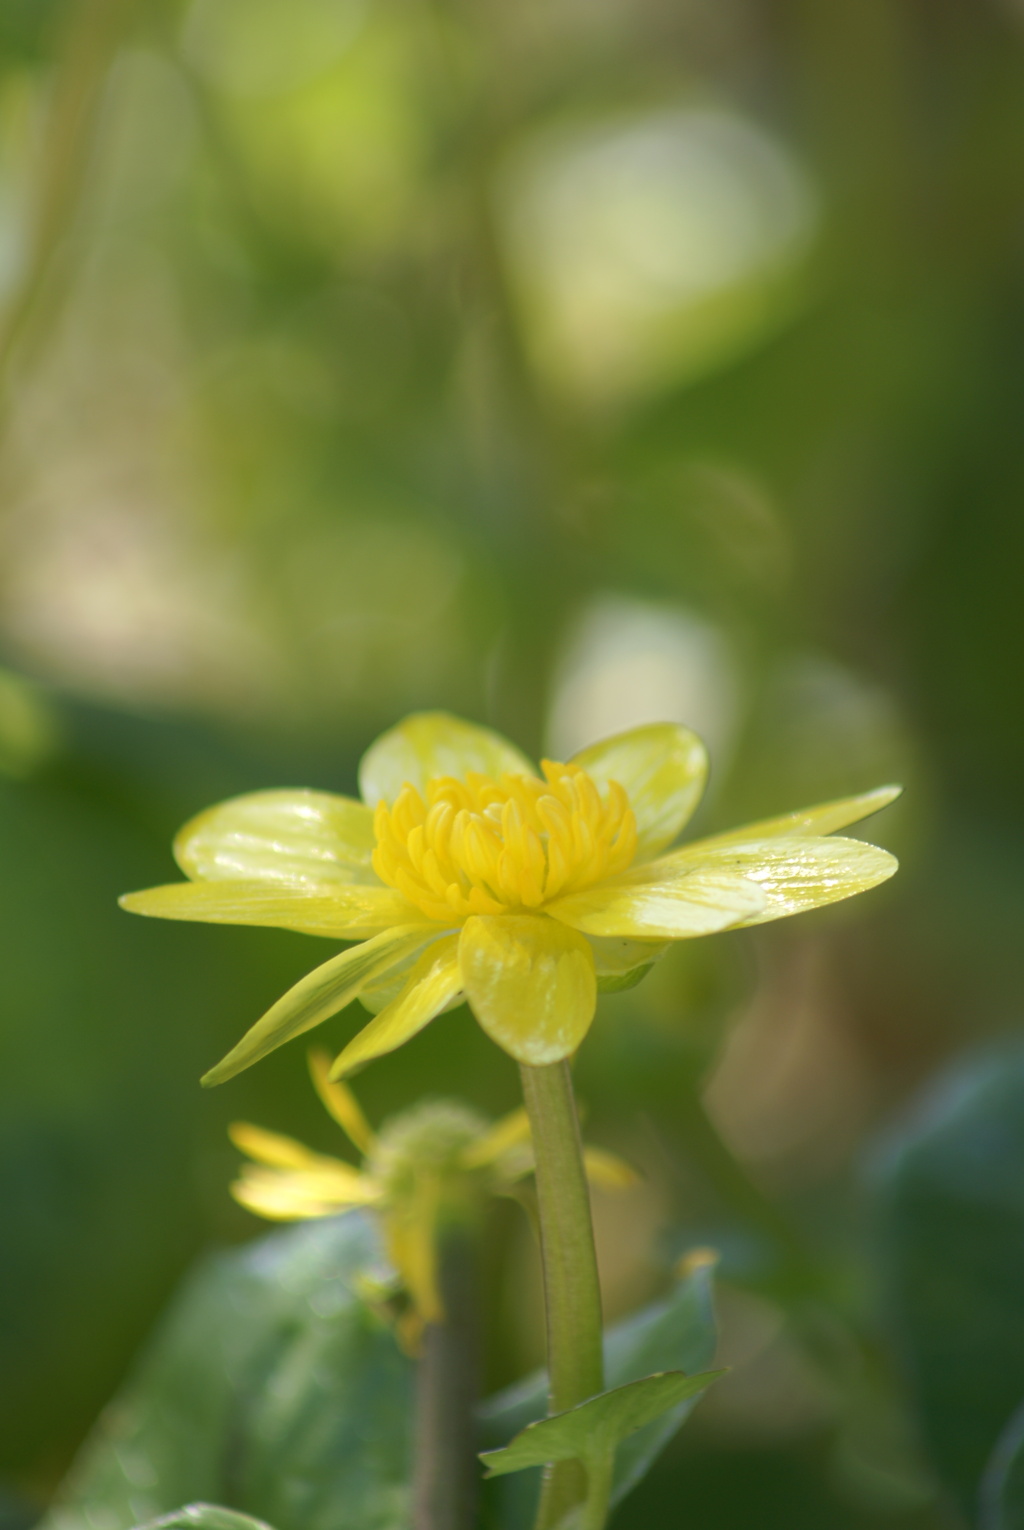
[662, 901]
[432, 984]
[530, 982]
[607, 1171]
[663, 768]
[621, 964]
[794, 874]
[291, 1196]
[430, 744]
[317, 996]
[823, 819]
[274, 1150]
[339, 1101]
[340, 912]
[292, 838]
[510, 1132]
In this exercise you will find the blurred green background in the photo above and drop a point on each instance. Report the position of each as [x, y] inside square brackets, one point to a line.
[566, 364]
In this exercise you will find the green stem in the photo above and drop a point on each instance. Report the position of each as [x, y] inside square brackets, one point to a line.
[600, 1472]
[446, 1472]
[572, 1294]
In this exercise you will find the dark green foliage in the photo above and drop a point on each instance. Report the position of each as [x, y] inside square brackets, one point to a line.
[951, 1191]
[271, 1388]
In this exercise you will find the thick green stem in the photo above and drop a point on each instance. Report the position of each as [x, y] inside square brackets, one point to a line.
[600, 1474]
[572, 1295]
[446, 1472]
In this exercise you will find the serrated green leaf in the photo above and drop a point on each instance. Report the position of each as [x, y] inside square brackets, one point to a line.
[205, 1516]
[590, 1431]
[271, 1388]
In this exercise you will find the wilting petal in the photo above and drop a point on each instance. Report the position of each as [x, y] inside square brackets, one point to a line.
[663, 901]
[340, 1102]
[530, 982]
[293, 838]
[508, 1133]
[793, 874]
[432, 984]
[820, 820]
[430, 744]
[341, 912]
[317, 996]
[663, 768]
[291, 1196]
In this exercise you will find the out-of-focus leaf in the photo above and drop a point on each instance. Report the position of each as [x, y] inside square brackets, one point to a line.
[951, 1200]
[677, 1332]
[29, 731]
[271, 1388]
[597, 1425]
[205, 1516]
[1002, 1488]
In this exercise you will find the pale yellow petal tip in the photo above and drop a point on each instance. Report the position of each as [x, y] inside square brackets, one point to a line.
[695, 1259]
[339, 1102]
[606, 1171]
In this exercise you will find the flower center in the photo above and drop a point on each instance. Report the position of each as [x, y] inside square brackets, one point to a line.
[485, 846]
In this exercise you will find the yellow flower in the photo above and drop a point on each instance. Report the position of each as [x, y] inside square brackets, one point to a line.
[432, 1164]
[466, 874]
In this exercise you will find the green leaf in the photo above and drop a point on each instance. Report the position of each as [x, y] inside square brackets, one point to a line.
[950, 1209]
[205, 1516]
[1002, 1487]
[678, 1332]
[590, 1431]
[271, 1388]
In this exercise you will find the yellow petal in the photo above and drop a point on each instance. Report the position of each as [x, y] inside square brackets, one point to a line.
[617, 958]
[273, 1149]
[340, 1102]
[289, 1196]
[411, 1238]
[663, 901]
[432, 984]
[530, 982]
[663, 768]
[318, 996]
[430, 744]
[510, 1132]
[290, 838]
[339, 912]
[823, 819]
[607, 1171]
[795, 874]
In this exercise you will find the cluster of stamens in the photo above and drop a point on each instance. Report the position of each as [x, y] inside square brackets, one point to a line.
[485, 846]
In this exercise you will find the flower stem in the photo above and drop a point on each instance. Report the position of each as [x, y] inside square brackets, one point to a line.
[572, 1295]
[445, 1468]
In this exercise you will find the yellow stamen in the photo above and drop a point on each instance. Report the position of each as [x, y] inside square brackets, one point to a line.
[485, 846]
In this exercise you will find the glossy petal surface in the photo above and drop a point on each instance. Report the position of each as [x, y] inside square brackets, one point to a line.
[663, 768]
[317, 996]
[825, 818]
[432, 984]
[794, 874]
[531, 984]
[341, 913]
[430, 744]
[663, 901]
[292, 838]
